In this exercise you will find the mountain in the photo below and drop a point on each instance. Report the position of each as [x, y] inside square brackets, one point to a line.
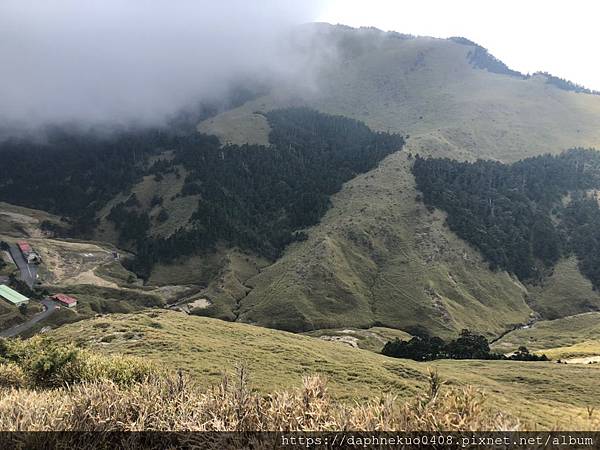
[379, 256]
[433, 90]
[298, 209]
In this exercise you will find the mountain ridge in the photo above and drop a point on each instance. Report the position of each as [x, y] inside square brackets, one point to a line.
[377, 255]
[496, 120]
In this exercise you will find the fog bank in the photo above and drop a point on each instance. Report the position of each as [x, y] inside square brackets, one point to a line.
[103, 62]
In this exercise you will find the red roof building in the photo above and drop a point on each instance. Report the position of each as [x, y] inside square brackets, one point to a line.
[24, 247]
[65, 300]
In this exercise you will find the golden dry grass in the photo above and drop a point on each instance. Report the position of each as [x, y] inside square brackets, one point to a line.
[174, 403]
[46, 386]
[544, 395]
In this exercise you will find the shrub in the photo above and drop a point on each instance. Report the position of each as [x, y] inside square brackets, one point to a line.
[121, 370]
[48, 365]
[522, 354]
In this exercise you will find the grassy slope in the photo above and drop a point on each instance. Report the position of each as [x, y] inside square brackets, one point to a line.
[548, 393]
[427, 88]
[565, 292]
[577, 335]
[372, 339]
[378, 256]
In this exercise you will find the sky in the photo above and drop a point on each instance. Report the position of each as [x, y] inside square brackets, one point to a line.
[528, 35]
[104, 62]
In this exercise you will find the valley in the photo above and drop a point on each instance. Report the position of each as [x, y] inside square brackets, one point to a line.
[418, 187]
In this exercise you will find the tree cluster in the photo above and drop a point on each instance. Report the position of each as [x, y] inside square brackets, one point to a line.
[481, 58]
[255, 197]
[75, 173]
[566, 85]
[515, 214]
[261, 197]
[467, 346]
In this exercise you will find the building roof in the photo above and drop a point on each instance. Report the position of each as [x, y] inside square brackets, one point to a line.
[64, 299]
[11, 295]
[24, 246]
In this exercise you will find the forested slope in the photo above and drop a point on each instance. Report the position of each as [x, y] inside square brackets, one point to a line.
[525, 216]
[379, 255]
[256, 197]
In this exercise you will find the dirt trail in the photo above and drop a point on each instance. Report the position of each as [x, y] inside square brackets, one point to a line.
[583, 360]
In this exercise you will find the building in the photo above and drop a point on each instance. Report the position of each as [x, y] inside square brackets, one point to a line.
[30, 256]
[24, 247]
[12, 296]
[65, 300]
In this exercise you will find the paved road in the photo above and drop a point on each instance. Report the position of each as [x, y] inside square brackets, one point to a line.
[28, 271]
[49, 305]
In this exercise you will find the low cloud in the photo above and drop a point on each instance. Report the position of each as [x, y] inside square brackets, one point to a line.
[103, 62]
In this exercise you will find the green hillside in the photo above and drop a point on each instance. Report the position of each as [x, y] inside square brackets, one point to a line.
[429, 89]
[318, 223]
[573, 336]
[379, 256]
[563, 293]
[206, 348]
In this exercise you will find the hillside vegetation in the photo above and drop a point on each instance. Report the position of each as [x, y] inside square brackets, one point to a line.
[323, 226]
[206, 348]
[61, 388]
[256, 197]
[380, 257]
[515, 214]
[573, 336]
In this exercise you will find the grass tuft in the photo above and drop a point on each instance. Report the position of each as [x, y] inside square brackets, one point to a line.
[175, 402]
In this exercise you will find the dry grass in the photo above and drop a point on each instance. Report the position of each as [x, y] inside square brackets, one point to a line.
[45, 386]
[544, 395]
[174, 403]
[55, 386]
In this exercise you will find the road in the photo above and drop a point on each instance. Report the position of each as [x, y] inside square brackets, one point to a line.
[28, 271]
[49, 305]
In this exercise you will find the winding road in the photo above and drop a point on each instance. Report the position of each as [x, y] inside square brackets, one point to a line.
[49, 307]
[29, 276]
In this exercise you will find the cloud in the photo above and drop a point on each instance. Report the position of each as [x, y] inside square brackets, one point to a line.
[102, 62]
